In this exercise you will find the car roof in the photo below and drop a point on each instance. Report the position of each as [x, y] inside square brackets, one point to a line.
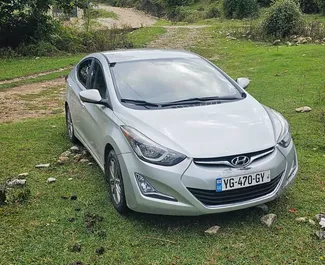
[145, 54]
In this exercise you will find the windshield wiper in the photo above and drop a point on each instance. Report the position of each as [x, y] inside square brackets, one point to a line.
[198, 100]
[139, 102]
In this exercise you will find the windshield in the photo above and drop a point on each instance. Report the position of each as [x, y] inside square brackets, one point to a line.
[162, 81]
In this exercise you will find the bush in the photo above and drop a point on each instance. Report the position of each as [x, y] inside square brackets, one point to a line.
[283, 19]
[264, 3]
[240, 8]
[309, 6]
[321, 5]
[212, 12]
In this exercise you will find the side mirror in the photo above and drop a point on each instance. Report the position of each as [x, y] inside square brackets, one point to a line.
[93, 96]
[243, 82]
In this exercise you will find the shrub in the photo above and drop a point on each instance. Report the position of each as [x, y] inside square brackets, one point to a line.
[284, 18]
[212, 12]
[264, 3]
[321, 5]
[240, 8]
[309, 6]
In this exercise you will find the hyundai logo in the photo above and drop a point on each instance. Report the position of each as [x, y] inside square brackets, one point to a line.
[240, 161]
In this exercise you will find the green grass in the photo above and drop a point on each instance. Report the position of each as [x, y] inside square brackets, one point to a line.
[143, 36]
[38, 232]
[18, 67]
[102, 13]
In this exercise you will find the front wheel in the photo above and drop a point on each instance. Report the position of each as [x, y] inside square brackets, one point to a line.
[114, 178]
[69, 125]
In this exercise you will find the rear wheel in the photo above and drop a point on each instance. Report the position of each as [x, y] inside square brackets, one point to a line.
[114, 178]
[69, 125]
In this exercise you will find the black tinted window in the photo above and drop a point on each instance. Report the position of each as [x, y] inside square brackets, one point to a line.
[98, 80]
[83, 71]
[171, 80]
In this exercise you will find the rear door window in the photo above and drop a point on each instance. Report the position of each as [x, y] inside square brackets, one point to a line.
[97, 80]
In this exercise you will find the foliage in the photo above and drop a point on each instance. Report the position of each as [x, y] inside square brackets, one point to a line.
[309, 6]
[265, 3]
[321, 5]
[284, 18]
[240, 8]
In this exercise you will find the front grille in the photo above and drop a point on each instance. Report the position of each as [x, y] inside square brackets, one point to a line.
[213, 198]
[226, 160]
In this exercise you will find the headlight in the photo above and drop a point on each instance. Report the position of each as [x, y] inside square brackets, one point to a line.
[149, 151]
[284, 138]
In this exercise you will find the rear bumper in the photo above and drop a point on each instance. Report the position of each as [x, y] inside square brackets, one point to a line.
[175, 181]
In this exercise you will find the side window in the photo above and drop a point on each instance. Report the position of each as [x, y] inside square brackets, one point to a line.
[97, 80]
[83, 71]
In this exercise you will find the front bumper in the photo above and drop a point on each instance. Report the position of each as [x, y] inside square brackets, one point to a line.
[175, 181]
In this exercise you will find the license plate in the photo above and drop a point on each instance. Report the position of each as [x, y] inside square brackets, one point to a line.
[232, 183]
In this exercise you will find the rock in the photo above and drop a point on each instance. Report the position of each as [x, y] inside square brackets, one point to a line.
[311, 222]
[319, 216]
[16, 183]
[70, 179]
[90, 164]
[322, 222]
[73, 197]
[276, 42]
[268, 219]
[263, 207]
[66, 153]
[304, 109]
[75, 149]
[43, 165]
[84, 161]
[100, 251]
[288, 43]
[301, 219]
[63, 159]
[320, 235]
[317, 42]
[77, 157]
[231, 38]
[309, 39]
[76, 248]
[85, 153]
[23, 174]
[212, 230]
[51, 180]
[301, 40]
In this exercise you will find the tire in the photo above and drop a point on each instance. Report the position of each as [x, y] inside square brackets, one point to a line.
[114, 180]
[69, 124]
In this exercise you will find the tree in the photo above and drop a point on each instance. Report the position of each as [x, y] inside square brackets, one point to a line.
[24, 21]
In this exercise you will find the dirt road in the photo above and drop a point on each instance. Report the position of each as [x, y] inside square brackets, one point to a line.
[126, 17]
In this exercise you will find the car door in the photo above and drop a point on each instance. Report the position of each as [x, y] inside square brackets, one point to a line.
[95, 118]
[82, 77]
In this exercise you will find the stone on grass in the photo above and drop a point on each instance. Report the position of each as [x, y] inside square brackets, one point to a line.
[90, 164]
[319, 216]
[23, 174]
[301, 219]
[16, 183]
[75, 149]
[84, 161]
[268, 219]
[212, 230]
[304, 109]
[63, 159]
[51, 180]
[43, 165]
[311, 222]
[66, 153]
[322, 222]
[77, 157]
[70, 179]
[320, 234]
[276, 42]
[85, 153]
[73, 197]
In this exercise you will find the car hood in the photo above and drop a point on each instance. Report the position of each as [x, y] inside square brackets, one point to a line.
[206, 131]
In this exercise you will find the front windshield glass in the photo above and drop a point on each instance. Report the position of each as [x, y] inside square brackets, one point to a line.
[163, 81]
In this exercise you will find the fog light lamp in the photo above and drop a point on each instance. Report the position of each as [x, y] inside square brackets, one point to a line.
[144, 185]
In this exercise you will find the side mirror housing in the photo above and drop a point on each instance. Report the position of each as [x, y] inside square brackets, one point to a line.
[92, 96]
[243, 82]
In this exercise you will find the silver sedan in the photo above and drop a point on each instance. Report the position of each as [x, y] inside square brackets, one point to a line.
[176, 135]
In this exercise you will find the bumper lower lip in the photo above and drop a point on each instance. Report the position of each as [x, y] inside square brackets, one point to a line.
[174, 182]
